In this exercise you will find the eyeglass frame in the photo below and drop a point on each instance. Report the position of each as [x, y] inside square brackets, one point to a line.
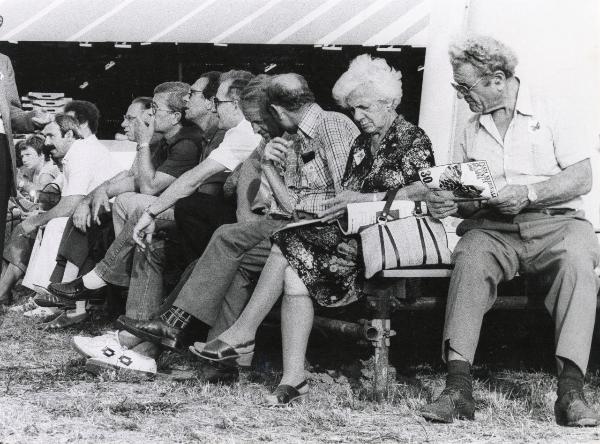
[128, 118]
[217, 101]
[195, 91]
[464, 90]
[154, 107]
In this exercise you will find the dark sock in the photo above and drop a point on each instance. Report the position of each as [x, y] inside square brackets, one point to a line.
[179, 318]
[571, 378]
[459, 376]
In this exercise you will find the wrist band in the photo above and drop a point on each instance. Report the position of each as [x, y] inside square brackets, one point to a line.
[143, 145]
[149, 213]
[375, 197]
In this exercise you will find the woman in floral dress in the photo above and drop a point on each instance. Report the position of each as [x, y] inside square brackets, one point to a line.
[318, 261]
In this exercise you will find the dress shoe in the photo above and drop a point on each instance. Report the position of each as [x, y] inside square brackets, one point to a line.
[572, 410]
[74, 291]
[154, 330]
[49, 300]
[215, 372]
[452, 403]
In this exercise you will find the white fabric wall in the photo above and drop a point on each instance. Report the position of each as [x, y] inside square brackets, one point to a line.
[558, 44]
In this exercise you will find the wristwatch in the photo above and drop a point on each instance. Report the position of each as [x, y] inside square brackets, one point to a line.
[149, 212]
[531, 194]
[143, 145]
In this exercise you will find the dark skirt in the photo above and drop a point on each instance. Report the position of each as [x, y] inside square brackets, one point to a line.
[326, 260]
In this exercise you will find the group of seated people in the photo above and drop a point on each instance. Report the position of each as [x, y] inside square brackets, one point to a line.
[222, 166]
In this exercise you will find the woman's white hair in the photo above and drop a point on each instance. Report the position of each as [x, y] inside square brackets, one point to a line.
[485, 53]
[375, 75]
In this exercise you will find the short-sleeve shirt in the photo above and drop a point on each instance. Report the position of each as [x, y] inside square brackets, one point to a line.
[538, 144]
[177, 154]
[237, 145]
[86, 165]
[315, 167]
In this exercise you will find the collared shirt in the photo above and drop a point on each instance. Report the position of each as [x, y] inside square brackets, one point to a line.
[315, 166]
[179, 153]
[238, 143]
[538, 144]
[86, 165]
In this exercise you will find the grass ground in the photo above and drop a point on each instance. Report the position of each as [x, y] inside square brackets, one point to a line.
[46, 396]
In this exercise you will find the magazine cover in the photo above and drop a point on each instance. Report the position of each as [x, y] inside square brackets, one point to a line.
[466, 181]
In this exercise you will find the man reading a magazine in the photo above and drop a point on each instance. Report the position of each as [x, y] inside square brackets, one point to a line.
[535, 225]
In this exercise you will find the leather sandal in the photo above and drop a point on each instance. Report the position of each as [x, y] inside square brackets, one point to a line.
[284, 395]
[217, 350]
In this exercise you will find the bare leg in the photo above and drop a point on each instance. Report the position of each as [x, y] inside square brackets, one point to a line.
[296, 323]
[268, 290]
[10, 276]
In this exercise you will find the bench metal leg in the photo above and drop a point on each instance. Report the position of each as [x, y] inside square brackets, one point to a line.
[380, 300]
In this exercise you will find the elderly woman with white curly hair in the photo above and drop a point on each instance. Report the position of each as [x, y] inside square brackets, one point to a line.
[318, 261]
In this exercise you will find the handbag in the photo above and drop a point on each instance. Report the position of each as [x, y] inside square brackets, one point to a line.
[411, 241]
[49, 196]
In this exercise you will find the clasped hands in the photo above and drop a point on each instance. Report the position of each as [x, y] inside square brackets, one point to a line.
[511, 200]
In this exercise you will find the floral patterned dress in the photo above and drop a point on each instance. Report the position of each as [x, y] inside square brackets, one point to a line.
[329, 262]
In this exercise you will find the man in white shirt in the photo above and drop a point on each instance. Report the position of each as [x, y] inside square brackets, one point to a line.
[535, 226]
[86, 164]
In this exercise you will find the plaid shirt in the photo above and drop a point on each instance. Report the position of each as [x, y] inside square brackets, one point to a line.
[314, 168]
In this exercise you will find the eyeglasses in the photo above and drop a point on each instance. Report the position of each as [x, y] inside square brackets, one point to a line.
[129, 118]
[466, 90]
[195, 91]
[154, 107]
[217, 101]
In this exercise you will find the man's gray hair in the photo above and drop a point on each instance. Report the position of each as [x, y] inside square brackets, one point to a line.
[176, 93]
[485, 53]
[373, 74]
[290, 91]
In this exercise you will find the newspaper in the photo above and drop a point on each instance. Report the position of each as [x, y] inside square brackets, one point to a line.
[363, 214]
[466, 181]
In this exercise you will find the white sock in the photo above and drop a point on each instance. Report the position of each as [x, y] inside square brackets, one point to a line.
[92, 281]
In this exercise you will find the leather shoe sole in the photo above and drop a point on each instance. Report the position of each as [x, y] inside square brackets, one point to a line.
[170, 343]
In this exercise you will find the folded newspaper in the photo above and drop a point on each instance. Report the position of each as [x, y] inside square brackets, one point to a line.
[466, 181]
[363, 214]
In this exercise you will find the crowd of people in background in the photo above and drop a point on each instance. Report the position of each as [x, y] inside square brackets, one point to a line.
[225, 164]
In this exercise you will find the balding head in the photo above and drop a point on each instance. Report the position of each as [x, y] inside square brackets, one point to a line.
[289, 91]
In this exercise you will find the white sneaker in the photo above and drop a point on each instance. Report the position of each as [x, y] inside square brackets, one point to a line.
[107, 345]
[43, 314]
[129, 361]
[27, 306]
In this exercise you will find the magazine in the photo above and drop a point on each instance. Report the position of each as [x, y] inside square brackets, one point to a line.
[363, 214]
[466, 181]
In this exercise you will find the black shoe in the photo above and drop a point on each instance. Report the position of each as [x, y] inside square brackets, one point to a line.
[572, 410]
[49, 300]
[73, 291]
[452, 403]
[215, 372]
[154, 330]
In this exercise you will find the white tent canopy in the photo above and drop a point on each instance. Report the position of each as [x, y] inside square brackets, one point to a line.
[314, 22]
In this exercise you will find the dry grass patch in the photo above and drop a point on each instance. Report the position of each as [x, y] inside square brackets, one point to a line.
[46, 396]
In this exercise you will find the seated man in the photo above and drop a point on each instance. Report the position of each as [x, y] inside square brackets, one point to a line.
[86, 163]
[175, 150]
[541, 167]
[141, 270]
[215, 291]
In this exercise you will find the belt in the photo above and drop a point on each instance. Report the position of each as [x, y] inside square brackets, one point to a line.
[550, 211]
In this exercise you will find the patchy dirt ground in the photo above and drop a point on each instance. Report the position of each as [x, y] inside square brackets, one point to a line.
[47, 397]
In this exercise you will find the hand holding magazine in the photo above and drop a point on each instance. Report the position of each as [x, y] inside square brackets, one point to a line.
[463, 181]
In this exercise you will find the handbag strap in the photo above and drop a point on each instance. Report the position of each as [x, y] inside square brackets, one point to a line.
[389, 200]
[390, 196]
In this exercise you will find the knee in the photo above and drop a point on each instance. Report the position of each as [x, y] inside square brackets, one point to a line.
[293, 285]
[183, 207]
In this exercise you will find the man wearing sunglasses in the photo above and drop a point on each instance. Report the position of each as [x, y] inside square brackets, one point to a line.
[536, 225]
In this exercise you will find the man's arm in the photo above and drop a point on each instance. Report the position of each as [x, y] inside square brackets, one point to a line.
[570, 183]
[186, 184]
[149, 179]
[247, 187]
[64, 208]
